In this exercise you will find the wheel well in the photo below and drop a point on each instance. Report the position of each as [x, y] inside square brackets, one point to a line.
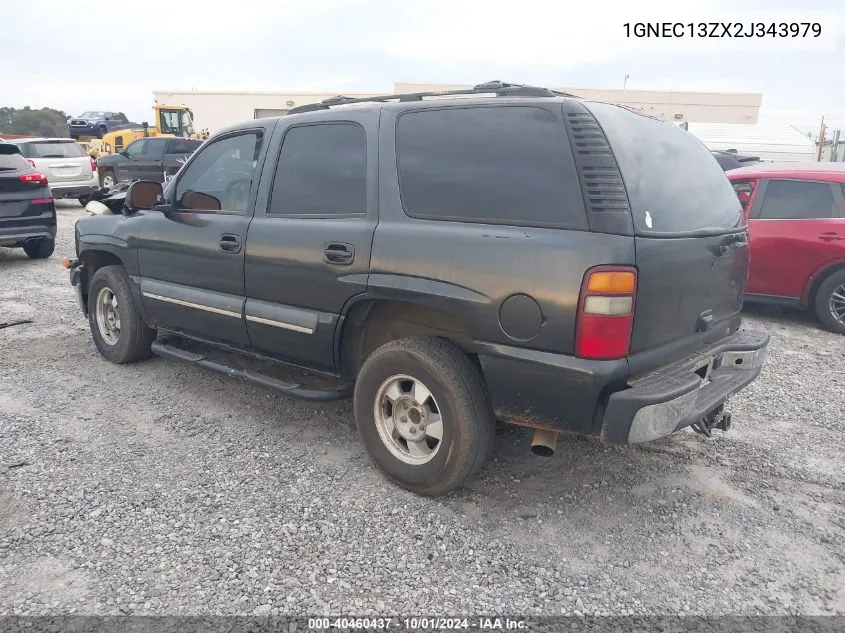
[371, 324]
[93, 261]
[819, 280]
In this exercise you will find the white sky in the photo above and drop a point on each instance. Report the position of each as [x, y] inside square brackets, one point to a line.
[86, 55]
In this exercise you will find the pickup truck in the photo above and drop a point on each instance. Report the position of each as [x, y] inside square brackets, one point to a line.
[152, 158]
[97, 123]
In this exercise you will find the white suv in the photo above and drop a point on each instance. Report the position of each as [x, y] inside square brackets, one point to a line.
[71, 173]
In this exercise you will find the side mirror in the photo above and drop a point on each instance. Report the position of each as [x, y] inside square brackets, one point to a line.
[141, 195]
[199, 201]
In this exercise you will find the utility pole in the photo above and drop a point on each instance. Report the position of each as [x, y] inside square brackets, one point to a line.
[625, 83]
[821, 142]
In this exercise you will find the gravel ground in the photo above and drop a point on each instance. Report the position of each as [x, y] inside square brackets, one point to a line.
[159, 488]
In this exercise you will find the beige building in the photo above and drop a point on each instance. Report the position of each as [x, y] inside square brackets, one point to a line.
[218, 109]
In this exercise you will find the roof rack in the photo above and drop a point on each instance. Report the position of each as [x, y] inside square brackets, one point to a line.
[499, 88]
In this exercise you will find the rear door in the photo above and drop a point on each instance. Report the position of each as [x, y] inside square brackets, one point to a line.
[690, 233]
[61, 160]
[796, 229]
[308, 249]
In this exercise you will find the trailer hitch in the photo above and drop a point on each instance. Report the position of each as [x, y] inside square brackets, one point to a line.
[716, 419]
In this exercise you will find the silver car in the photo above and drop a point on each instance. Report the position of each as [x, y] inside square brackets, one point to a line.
[71, 173]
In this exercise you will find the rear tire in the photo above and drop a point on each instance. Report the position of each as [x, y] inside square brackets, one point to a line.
[39, 249]
[117, 328]
[409, 392]
[830, 302]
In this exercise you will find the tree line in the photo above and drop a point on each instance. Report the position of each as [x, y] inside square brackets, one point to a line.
[47, 122]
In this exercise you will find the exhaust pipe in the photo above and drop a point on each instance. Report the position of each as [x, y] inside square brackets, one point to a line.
[543, 443]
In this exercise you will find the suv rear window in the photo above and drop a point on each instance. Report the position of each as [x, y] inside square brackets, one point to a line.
[489, 164]
[53, 149]
[674, 184]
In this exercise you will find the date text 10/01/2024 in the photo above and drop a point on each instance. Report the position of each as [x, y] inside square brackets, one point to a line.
[722, 29]
[418, 623]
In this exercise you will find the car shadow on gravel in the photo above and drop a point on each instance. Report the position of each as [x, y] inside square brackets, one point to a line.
[782, 316]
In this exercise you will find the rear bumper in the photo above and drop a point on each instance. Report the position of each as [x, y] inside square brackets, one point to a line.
[74, 189]
[567, 394]
[679, 395]
[18, 230]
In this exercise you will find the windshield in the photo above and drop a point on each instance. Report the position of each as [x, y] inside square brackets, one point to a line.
[92, 115]
[53, 150]
[674, 183]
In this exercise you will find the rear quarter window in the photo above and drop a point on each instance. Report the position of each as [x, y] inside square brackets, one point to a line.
[488, 164]
[674, 183]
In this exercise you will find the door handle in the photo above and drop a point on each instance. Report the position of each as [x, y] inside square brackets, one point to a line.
[830, 236]
[230, 243]
[338, 253]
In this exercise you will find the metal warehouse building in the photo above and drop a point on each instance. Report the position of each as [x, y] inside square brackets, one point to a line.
[217, 109]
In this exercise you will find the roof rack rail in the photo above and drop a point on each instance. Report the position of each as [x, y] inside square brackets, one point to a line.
[499, 88]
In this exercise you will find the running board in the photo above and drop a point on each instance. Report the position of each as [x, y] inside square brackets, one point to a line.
[289, 389]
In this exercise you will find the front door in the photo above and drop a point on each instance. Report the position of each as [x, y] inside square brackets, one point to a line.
[792, 229]
[130, 163]
[191, 248]
[308, 248]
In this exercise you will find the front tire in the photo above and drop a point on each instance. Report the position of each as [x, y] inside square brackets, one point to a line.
[39, 249]
[117, 328]
[830, 302]
[423, 414]
[101, 132]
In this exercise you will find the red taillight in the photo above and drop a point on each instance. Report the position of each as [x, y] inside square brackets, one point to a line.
[43, 201]
[93, 164]
[606, 312]
[36, 178]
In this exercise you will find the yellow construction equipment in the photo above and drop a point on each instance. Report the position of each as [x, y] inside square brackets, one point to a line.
[170, 120]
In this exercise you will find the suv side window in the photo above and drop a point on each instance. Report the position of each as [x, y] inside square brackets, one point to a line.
[494, 164]
[322, 170]
[797, 200]
[224, 171]
[136, 148]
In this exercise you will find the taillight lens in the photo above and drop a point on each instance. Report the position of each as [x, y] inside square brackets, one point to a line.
[36, 178]
[606, 312]
[93, 164]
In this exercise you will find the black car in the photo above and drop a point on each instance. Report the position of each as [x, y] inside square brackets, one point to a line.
[731, 159]
[151, 158]
[512, 253]
[27, 210]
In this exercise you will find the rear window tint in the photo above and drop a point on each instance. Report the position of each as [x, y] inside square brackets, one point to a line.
[674, 183]
[494, 165]
[54, 150]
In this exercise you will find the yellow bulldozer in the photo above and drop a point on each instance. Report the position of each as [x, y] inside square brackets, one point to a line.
[170, 120]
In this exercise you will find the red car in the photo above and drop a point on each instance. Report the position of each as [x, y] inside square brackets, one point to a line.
[796, 219]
